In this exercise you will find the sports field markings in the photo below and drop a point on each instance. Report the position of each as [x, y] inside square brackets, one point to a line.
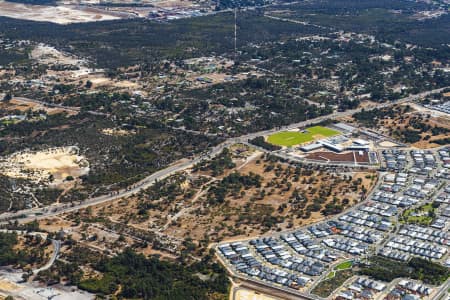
[292, 138]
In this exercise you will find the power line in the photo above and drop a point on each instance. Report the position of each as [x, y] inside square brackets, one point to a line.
[235, 34]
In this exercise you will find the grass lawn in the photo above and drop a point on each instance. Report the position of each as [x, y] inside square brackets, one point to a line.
[423, 215]
[344, 265]
[330, 275]
[326, 132]
[291, 138]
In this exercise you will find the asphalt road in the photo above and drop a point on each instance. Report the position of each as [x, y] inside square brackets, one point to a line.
[57, 209]
[28, 215]
[441, 294]
[285, 292]
[56, 247]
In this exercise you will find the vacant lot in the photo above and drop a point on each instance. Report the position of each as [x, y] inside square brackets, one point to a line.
[55, 14]
[327, 286]
[50, 166]
[407, 123]
[226, 199]
[291, 138]
[244, 294]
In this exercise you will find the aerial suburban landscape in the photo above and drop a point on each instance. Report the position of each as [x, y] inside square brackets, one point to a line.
[224, 149]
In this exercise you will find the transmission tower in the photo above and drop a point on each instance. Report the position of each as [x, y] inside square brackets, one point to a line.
[235, 34]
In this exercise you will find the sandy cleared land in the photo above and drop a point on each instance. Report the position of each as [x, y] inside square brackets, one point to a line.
[54, 14]
[45, 54]
[49, 55]
[30, 291]
[104, 81]
[174, 3]
[38, 166]
[117, 132]
[8, 286]
[388, 144]
[244, 294]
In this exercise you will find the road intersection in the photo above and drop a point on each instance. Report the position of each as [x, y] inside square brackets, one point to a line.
[28, 215]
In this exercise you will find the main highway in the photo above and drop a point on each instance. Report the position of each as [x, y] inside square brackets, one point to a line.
[28, 215]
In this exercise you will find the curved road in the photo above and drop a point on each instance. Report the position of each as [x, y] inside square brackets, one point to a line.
[56, 247]
[28, 215]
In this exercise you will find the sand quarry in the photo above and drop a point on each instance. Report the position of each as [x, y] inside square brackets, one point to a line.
[55, 14]
[37, 166]
[45, 54]
[49, 55]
